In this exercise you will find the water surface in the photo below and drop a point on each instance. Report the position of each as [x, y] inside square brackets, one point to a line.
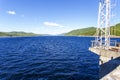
[47, 58]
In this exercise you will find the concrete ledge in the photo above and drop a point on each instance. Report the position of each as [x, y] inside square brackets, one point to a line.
[105, 53]
[110, 64]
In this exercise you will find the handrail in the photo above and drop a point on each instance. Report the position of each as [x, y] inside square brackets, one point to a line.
[96, 44]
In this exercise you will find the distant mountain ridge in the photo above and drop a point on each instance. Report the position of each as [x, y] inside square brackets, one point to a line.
[15, 33]
[90, 31]
[82, 32]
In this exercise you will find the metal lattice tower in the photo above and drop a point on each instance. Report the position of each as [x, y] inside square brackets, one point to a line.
[103, 27]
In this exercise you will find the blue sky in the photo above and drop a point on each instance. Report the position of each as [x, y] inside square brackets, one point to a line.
[49, 16]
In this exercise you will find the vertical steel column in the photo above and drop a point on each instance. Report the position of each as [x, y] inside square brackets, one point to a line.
[103, 27]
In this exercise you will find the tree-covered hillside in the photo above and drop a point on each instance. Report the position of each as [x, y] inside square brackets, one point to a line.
[84, 32]
[90, 31]
[14, 33]
[115, 30]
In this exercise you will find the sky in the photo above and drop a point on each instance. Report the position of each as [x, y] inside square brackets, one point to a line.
[49, 16]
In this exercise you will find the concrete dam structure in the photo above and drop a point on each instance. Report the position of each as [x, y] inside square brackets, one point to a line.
[107, 49]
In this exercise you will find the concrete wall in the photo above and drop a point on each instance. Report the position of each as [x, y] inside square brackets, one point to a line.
[109, 68]
[109, 64]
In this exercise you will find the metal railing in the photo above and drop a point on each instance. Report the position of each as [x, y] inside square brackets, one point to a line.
[98, 44]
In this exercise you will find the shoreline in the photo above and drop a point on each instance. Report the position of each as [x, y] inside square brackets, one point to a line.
[55, 35]
[95, 36]
[16, 36]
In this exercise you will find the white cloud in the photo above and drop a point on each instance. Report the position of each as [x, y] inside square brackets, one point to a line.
[11, 12]
[51, 24]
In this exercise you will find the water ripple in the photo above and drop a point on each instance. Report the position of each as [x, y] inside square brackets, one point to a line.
[47, 58]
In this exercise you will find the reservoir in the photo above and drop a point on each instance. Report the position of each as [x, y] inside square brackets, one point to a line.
[48, 58]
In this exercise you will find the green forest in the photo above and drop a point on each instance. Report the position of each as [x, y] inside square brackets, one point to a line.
[14, 33]
[90, 31]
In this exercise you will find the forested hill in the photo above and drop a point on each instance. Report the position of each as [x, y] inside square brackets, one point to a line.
[90, 31]
[15, 33]
[115, 30]
[82, 32]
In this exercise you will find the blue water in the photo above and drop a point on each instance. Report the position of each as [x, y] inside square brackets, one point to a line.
[47, 58]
